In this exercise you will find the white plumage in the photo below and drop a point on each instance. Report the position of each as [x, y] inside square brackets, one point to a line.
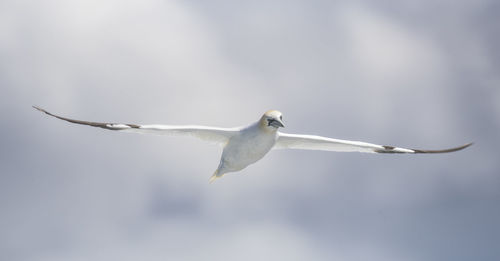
[246, 145]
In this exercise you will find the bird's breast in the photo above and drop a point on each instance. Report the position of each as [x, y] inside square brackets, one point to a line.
[246, 149]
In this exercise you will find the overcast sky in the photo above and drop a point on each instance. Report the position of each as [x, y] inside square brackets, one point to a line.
[418, 74]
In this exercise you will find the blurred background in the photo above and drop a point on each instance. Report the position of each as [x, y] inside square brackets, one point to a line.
[418, 74]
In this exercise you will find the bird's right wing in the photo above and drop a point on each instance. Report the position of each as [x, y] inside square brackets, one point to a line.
[212, 134]
[311, 142]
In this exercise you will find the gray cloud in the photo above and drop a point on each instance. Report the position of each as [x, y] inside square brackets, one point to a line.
[395, 72]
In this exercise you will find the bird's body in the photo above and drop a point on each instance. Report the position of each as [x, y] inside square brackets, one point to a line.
[244, 146]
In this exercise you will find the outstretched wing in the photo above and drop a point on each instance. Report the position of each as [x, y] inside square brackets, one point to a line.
[311, 142]
[212, 134]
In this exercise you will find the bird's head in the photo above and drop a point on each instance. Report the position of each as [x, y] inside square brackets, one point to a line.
[272, 120]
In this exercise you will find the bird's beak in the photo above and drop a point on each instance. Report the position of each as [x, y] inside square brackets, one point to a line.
[277, 123]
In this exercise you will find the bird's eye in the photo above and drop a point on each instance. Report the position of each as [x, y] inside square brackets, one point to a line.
[281, 117]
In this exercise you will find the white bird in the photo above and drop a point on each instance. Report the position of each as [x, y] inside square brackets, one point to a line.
[246, 145]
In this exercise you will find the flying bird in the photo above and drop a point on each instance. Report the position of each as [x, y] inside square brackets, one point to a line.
[246, 145]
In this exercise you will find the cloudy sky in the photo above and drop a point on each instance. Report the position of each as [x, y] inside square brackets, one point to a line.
[423, 74]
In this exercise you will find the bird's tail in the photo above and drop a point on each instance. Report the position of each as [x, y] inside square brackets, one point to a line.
[214, 176]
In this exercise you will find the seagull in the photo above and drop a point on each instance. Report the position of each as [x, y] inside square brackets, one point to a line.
[243, 146]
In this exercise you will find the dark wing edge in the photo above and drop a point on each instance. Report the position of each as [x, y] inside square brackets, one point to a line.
[391, 149]
[108, 126]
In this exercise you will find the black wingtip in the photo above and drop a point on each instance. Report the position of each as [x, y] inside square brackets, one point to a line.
[42, 110]
[39, 109]
[108, 126]
[445, 150]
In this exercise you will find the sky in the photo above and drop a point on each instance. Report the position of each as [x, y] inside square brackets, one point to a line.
[417, 74]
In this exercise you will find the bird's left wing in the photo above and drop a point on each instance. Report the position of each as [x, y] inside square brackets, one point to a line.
[212, 134]
[311, 142]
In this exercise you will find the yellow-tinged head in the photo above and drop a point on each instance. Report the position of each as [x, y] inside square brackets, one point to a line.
[272, 120]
